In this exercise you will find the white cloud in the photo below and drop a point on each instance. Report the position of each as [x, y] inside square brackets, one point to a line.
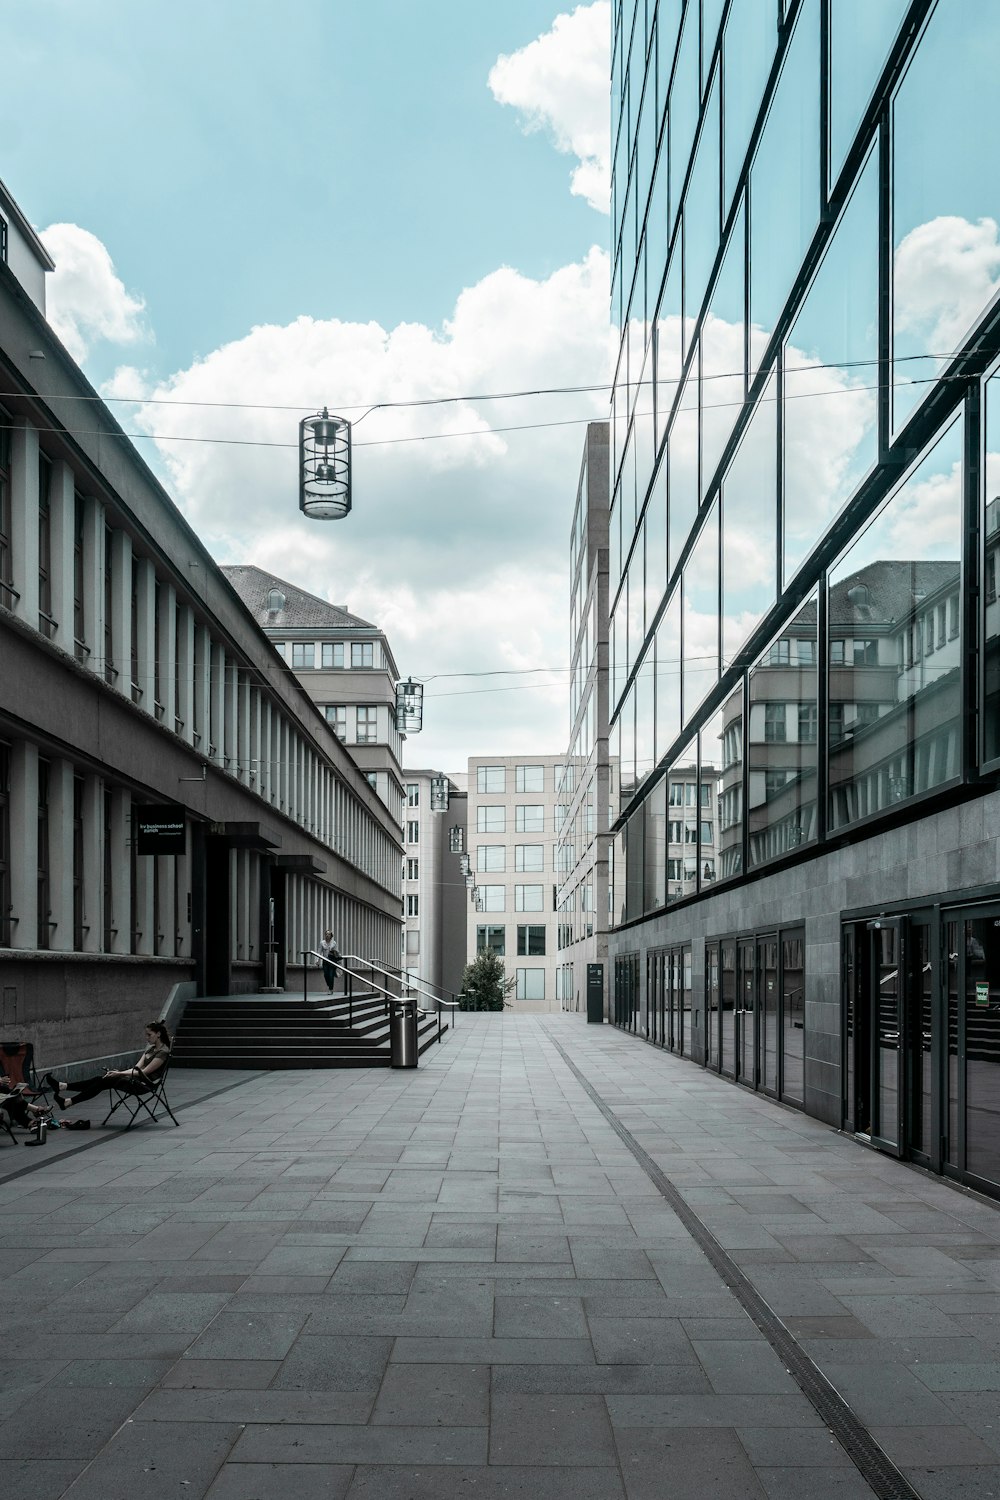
[87, 302]
[456, 546]
[945, 272]
[559, 83]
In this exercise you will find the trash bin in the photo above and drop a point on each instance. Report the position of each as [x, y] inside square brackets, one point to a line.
[403, 1034]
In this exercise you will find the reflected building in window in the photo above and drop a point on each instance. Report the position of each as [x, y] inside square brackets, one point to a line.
[804, 631]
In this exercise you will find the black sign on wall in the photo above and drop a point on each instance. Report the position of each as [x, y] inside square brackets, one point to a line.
[159, 829]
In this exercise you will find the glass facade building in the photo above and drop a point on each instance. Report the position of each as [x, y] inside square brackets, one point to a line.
[804, 522]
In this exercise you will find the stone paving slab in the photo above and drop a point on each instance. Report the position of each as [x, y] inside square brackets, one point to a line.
[458, 1281]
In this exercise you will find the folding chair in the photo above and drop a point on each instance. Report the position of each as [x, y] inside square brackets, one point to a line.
[133, 1104]
[17, 1062]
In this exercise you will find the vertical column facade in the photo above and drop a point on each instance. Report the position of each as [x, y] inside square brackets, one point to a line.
[62, 540]
[185, 675]
[121, 610]
[61, 854]
[119, 868]
[167, 650]
[24, 521]
[144, 581]
[93, 584]
[93, 863]
[24, 844]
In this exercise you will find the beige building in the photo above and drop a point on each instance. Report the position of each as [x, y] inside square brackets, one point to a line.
[514, 819]
[435, 897]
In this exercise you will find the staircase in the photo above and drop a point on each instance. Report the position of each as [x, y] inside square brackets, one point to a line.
[278, 1031]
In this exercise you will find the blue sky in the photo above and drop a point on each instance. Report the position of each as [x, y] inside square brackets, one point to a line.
[338, 202]
[251, 163]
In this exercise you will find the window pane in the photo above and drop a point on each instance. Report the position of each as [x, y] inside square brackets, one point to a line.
[683, 107]
[644, 710]
[944, 217]
[861, 33]
[490, 937]
[531, 942]
[655, 810]
[784, 181]
[491, 819]
[531, 984]
[668, 675]
[982, 1030]
[830, 413]
[783, 741]
[529, 857]
[701, 616]
[669, 339]
[793, 960]
[491, 857]
[701, 210]
[748, 50]
[729, 832]
[655, 529]
[710, 796]
[894, 725]
[682, 861]
[529, 818]
[529, 898]
[990, 605]
[529, 778]
[723, 357]
[749, 527]
[491, 779]
[682, 496]
[491, 898]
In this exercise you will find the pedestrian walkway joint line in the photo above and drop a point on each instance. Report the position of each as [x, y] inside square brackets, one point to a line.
[874, 1464]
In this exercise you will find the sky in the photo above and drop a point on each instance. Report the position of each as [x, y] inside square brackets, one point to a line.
[353, 205]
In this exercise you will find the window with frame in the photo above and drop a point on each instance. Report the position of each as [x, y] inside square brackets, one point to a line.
[490, 898]
[529, 856]
[303, 654]
[362, 654]
[336, 717]
[367, 722]
[491, 779]
[491, 819]
[531, 941]
[529, 898]
[332, 653]
[412, 832]
[530, 984]
[413, 794]
[491, 857]
[413, 869]
[413, 906]
[529, 778]
[529, 817]
[775, 723]
[492, 939]
[282, 649]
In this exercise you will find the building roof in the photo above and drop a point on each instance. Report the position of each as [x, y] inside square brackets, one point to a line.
[254, 587]
[884, 591]
[13, 213]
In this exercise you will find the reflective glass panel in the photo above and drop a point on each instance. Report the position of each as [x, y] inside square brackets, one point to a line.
[634, 862]
[861, 33]
[682, 494]
[668, 23]
[701, 616]
[895, 645]
[747, 53]
[685, 95]
[711, 15]
[655, 522]
[793, 1012]
[682, 812]
[669, 325]
[668, 676]
[988, 584]
[708, 813]
[784, 740]
[784, 181]
[655, 807]
[723, 355]
[982, 1048]
[701, 210]
[645, 679]
[946, 253]
[657, 227]
[644, 431]
[729, 858]
[749, 526]
[831, 378]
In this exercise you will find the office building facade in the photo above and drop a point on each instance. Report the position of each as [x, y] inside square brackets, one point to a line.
[803, 537]
[514, 821]
[435, 897]
[171, 801]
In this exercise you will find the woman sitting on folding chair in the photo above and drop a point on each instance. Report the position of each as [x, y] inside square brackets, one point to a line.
[139, 1079]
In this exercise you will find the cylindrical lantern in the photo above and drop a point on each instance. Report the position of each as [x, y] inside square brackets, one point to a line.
[440, 793]
[410, 710]
[465, 864]
[325, 467]
[456, 839]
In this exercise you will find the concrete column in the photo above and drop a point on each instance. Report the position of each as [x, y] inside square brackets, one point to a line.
[24, 845]
[93, 585]
[181, 933]
[121, 611]
[230, 706]
[203, 687]
[255, 769]
[237, 885]
[144, 914]
[244, 751]
[184, 706]
[217, 732]
[255, 947]
[62, 546]
[93, 864]
[166, 919]
[119, 860]
[61, 854]
[24, 523]
[144, 576]
[167, 651]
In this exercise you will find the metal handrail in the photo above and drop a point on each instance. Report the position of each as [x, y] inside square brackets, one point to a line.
[400, 974]
[387, 996]
[425, 984]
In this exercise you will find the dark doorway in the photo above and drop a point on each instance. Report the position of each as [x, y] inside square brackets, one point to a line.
[218, 917]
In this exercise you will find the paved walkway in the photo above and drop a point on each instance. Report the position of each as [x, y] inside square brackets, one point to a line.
[461, 1282]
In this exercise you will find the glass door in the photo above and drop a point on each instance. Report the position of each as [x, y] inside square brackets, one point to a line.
[746, 1016]
[767, 1013]
[887, 981]
[730, 1001]
[980, 1020]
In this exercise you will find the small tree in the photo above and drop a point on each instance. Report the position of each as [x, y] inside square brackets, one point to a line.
[484, 983]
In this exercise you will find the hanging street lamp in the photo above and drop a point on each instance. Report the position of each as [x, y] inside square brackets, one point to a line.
[410, 710]
[325, 467]
[440, 793]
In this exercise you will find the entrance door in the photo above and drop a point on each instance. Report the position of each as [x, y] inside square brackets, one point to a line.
[887, 989]
[746, 1015]
[767, 1014]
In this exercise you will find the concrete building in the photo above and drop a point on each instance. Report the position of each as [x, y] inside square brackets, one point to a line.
[435, 897]
[802, 536]
[345, 665]
[514, 821]
[166, 786]
[587, 795]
